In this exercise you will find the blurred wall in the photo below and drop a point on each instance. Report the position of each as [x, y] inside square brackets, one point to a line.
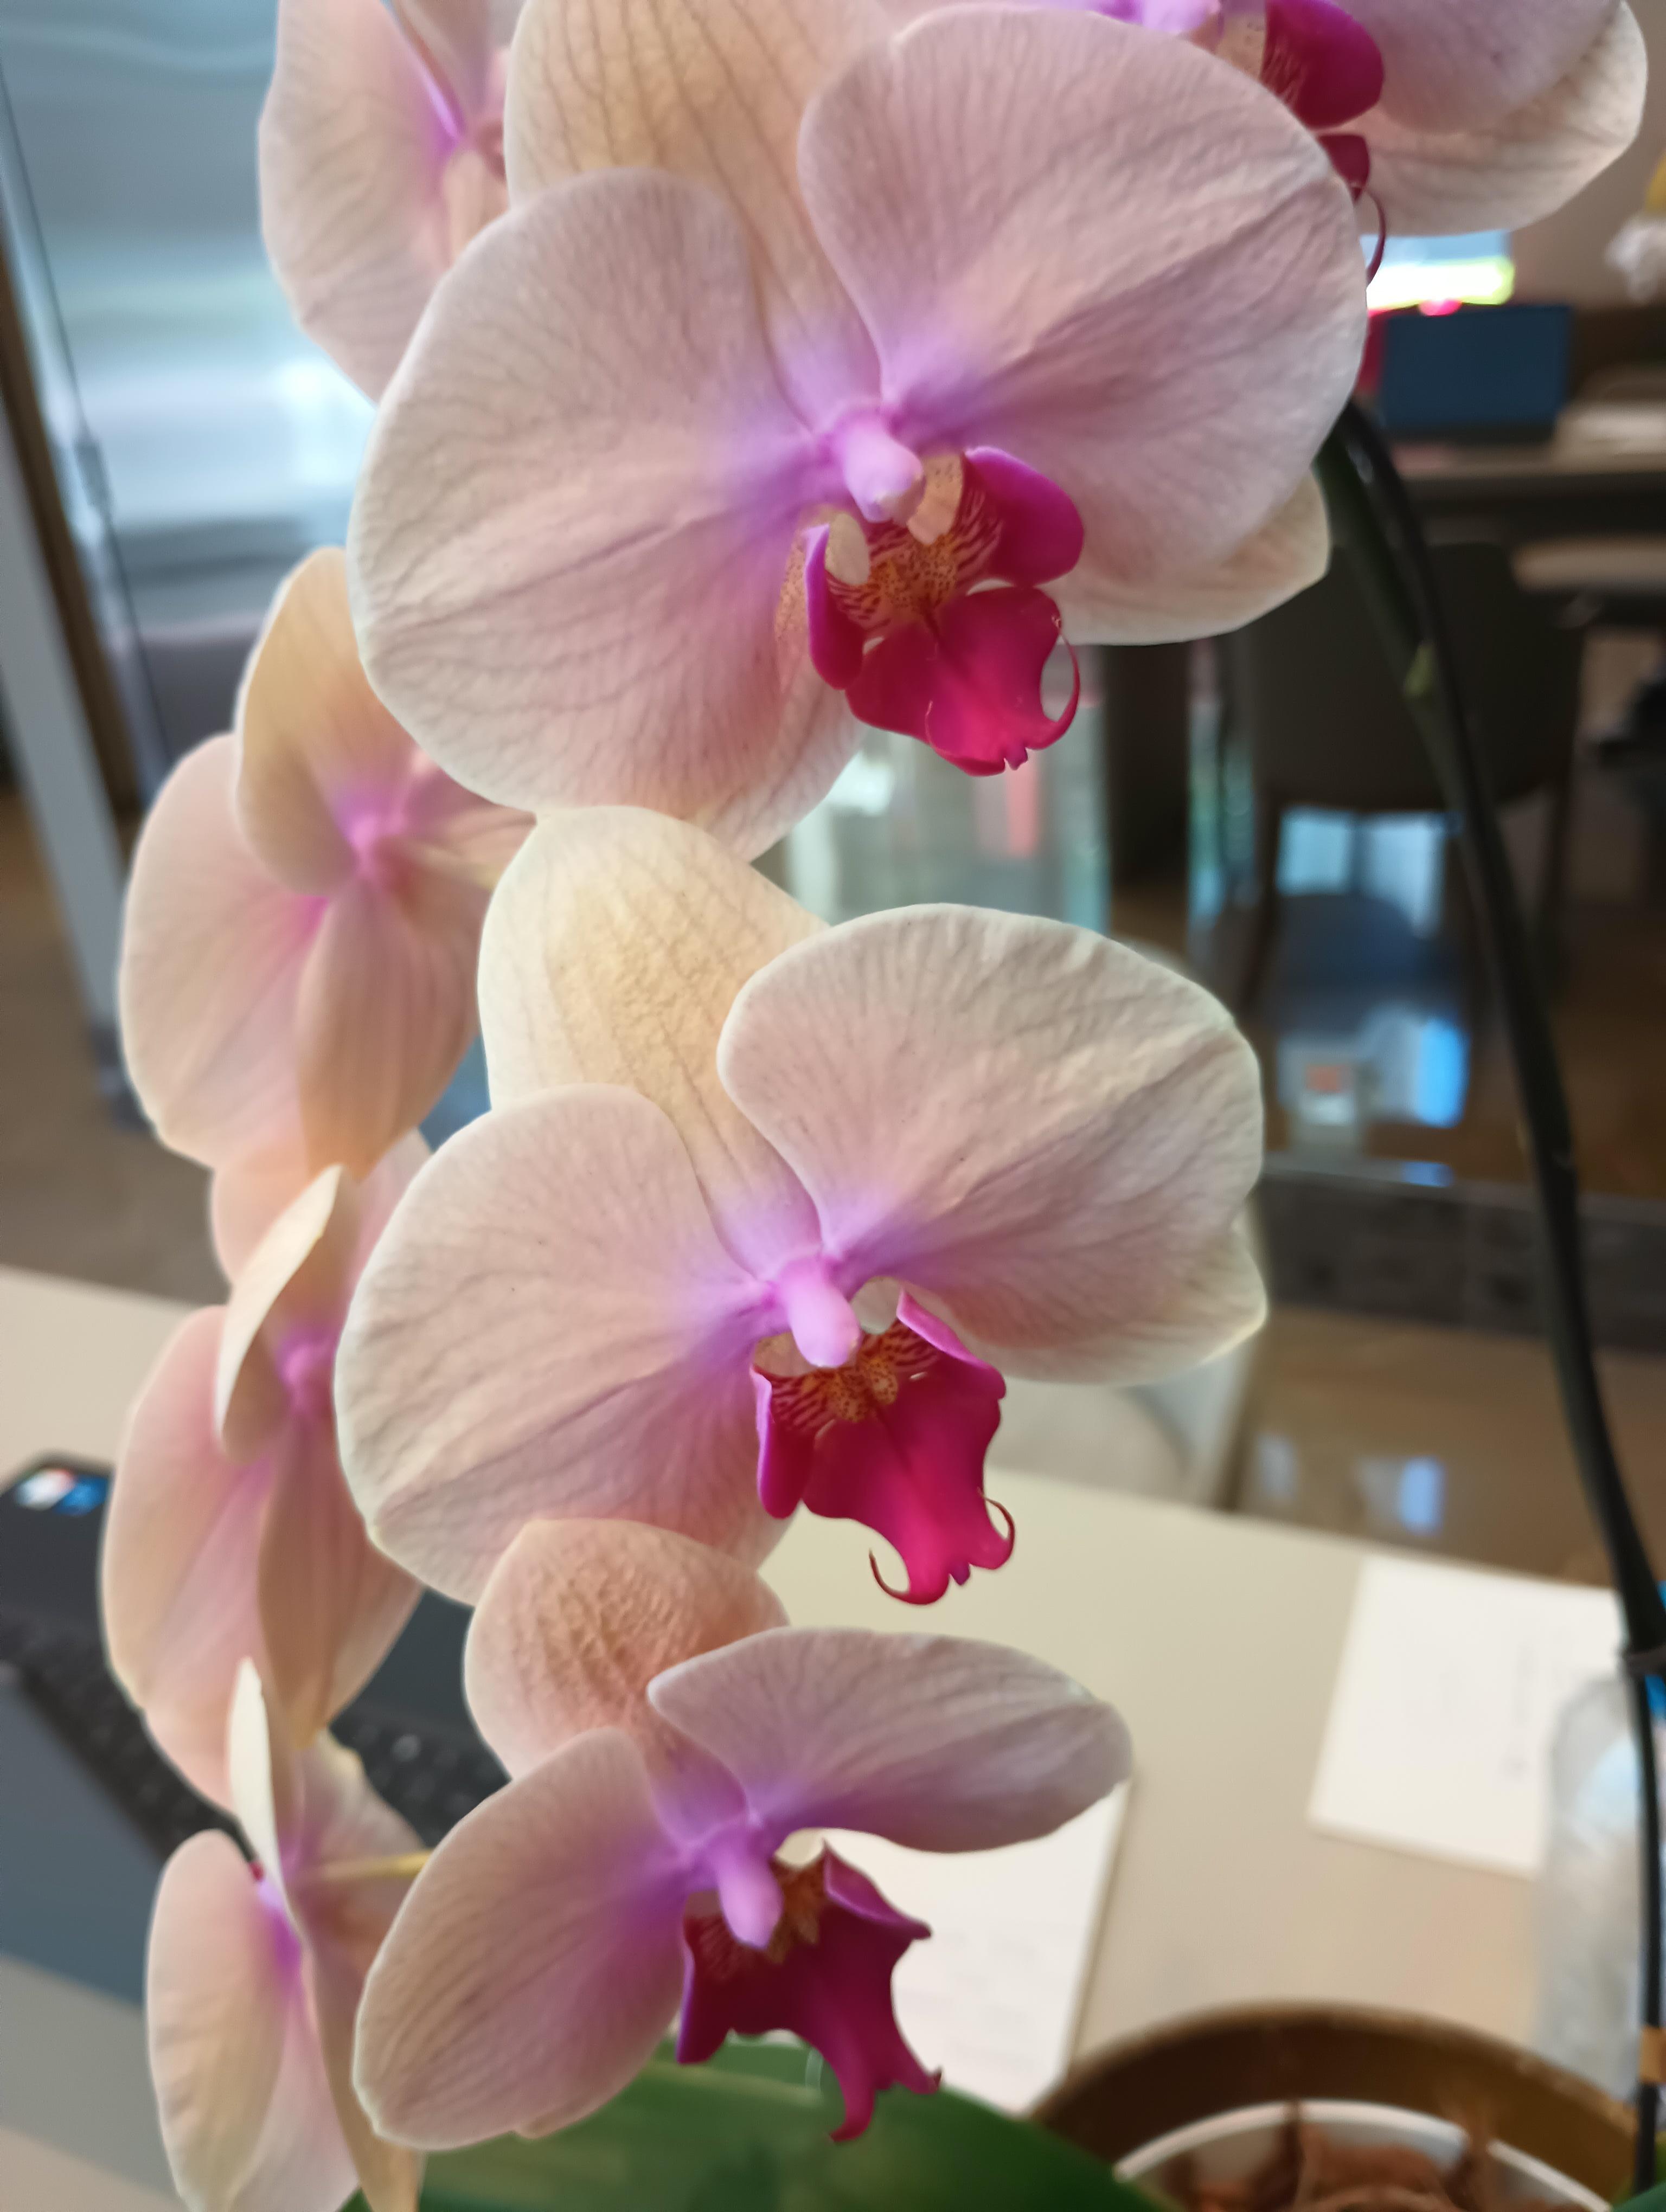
[1562, 259]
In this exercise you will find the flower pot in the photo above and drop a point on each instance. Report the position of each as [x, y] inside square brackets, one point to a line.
[1217, 2087]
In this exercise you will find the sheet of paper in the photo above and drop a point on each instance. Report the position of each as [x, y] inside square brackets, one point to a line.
[1636, 424]
[1451, 1687]
[995, 1997]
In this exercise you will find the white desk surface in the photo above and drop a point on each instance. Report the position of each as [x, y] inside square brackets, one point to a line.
[1218, 1637]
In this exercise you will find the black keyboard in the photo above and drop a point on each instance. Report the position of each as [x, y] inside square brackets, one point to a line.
[427, 1771]
[430, 1773]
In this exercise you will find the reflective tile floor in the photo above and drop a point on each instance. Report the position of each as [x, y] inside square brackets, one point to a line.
[1443, 1441]
[79, 1194]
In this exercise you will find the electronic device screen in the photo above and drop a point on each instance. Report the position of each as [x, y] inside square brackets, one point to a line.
[1481, 375]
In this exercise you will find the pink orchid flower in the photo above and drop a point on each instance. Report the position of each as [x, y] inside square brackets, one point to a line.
[666, 1735]
[381, 155]
[303, 918]
[1480, 116]
[1037, 342]
[253, 1982]
[231, 1530]
[761, 1208]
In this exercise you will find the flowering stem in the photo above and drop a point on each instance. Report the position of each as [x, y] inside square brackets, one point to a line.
[1373, 513]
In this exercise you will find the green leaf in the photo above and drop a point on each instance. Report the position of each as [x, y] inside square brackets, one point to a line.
[748, 2132]
[1652, 2200]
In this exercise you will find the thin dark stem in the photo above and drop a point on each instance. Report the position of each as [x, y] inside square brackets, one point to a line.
[1371, 511]
[1648, 2093]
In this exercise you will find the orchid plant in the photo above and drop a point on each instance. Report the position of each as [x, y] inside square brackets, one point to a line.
[748, 371]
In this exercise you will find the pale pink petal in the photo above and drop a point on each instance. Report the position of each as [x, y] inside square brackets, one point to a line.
[460, 39]
[938, 1743]
[576, 604]
[176, 1570]
[248, 1194]
[260, 1761]
[353, 149]
[227, 2018]
[449, 825]
[1454, 67]
[319, 750]
[1154, 296]
[295, 1245]
[212, 951]
[374, 1199]
[330, 1603]
[1044, 1131]
[306, 1812]
[580, 1616]
[713, 90]
[1283, 557]
[336, 1820]
[1220, 1302]
[1529, 162]
[612, 953]
[296, 1278]
[385, 1011]
[535, 1963]
[301, 2163]
[390, 2175]
[335, 1817]
[550, 1329]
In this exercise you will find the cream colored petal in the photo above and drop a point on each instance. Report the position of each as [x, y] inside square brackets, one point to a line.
[260, 1761]
[330, 1603]
[713, 90]
[580, 1616]
[339, 1821]
[612, 953]
[318, 750]
[296, 1277]
[386, 1010]
[248, 1194]
[390, 2175]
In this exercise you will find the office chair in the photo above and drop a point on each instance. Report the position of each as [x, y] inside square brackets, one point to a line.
[1310, 690]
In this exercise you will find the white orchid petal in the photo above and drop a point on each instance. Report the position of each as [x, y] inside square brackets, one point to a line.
[1045, 1130]
[563, 1243]
[1526, 164]
[937, 1742]
[613, 951]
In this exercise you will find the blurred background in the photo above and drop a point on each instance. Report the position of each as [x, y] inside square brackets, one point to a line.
[1256, 808]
